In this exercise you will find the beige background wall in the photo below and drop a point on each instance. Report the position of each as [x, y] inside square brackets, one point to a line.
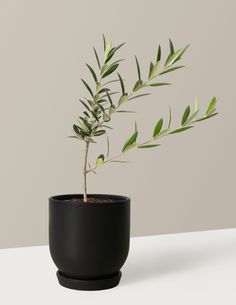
[188, 184]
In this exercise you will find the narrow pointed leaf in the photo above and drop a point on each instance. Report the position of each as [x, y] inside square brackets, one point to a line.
[104, 42]
[137, 85]
[92, 72]
[125, 111]
[138, 68]
[207, 117]
[87, 87]
[169, 120]
[121, 84]
[185, 115]
[211, 106]
[99, 133]
[77, 130]
[171, 69]
[110, 70]
[159, 84]
[159, 53]
[181, 129]
[85, 105]
[113, 51]
[149, 146]
[137, 96]
[108, 48]
[153, 72]
[172, 50]
[175, 56]
[150, 69]
[157, 128]
[109, 98]
[97, 58]
[76, 137]
[130, 143]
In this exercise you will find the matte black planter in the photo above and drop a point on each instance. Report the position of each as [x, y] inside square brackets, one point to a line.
[89, 242]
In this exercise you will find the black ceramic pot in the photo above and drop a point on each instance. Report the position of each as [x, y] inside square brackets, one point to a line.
[89, 242]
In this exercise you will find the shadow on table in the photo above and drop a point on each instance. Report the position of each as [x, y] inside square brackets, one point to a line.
[149, 263]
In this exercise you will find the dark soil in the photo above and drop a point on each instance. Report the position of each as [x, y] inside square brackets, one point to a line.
[89, 200]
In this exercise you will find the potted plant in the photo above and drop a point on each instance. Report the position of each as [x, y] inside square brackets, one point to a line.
[89, 233]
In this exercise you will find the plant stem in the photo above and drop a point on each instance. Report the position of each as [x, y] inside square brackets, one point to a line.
[85, 169]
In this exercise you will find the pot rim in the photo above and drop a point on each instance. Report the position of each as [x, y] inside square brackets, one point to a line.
[117, 199]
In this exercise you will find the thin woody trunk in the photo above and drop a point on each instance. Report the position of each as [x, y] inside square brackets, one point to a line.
[85, 170]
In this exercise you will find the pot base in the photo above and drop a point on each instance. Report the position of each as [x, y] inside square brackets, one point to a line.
[99, 284]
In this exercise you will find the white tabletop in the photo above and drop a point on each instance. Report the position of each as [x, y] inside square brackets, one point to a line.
[190, 268]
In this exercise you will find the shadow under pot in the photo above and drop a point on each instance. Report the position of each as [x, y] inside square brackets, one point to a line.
[89, 242]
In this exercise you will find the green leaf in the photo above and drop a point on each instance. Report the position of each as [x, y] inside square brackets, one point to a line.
[181, 129]
[172, 50]
[185, 115]
[104, 42]
[130, 143]
[99, 133]
[86, 124]
[96, 55]
[100, 160]
[171, 69]
[126, 111]
[87, 86]
[159, 84]
[109, 98]
[123, 99]
[159, 53]
[95, 116]
[211, 106]
[121, 84]
[153, 71]
[138, 69]
[207, 117]
[137, 85]
[103, 90]
[86, 113]
[175, 56]
[193, 115]
[76, 129]
[84, 104]
[112, 109]
[108, 48]
[92, 72]
[150, 69]
[137, 96]
[158, 128]
[113, 51]
[110, 70]
[149, 146]
[76, 137]
[108, 147]
[101, 107]
[169, 120]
